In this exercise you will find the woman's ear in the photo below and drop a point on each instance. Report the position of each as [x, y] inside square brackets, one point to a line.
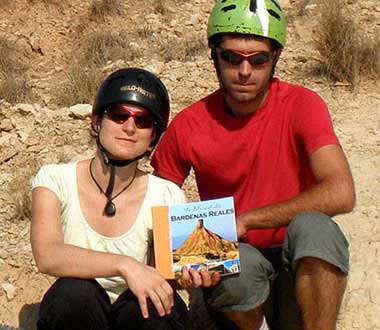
[96, 124]
[154, 136]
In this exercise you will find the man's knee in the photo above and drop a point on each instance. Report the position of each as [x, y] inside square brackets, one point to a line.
[246, 290]
[316, 235]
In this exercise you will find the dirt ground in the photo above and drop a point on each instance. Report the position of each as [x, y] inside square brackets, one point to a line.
[38, 133]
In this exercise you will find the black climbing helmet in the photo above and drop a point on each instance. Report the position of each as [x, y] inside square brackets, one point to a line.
[135, 86]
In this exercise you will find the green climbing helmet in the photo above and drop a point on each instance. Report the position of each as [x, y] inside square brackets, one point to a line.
[258, 17]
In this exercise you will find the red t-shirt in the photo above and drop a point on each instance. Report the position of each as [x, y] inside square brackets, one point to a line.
[259, 159]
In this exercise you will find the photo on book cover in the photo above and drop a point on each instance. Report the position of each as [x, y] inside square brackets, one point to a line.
[203, 234]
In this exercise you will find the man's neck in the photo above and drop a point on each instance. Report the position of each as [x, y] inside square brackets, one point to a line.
[240, 109]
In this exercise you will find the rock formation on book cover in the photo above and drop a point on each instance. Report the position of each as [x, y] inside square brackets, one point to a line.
[203, 245]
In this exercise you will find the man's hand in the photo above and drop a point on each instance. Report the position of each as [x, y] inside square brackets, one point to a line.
[194, 278]
[241, 228]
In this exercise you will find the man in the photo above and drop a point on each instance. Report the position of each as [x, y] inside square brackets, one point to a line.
[272, 146]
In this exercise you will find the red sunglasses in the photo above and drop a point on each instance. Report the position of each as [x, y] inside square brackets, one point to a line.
[121, 113]
[255, 59]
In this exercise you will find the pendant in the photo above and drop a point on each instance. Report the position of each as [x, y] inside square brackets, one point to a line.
[110, 209]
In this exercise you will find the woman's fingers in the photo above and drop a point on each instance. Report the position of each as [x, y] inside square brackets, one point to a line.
[143, 305]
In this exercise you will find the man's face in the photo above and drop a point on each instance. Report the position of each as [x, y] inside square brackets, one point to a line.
[245, 78]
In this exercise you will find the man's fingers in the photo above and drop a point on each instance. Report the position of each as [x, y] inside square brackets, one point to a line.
[197, 280]
[215, 278]
[185, 281]
[206, 278]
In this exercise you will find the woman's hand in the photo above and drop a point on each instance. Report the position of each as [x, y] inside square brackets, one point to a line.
[194, 278]
[146, 282]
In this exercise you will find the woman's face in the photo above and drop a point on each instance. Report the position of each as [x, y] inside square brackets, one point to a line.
[126, 131]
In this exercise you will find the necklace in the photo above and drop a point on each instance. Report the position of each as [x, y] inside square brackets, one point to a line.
[110, 208]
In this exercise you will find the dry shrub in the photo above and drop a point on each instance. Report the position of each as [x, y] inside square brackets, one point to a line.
[183, 51]
[19, 189]
[4, 3]
[14, 86]
[144, 31]
[101, 47]
[345, 53]
[370, 56]
[195, 47]
[100, 9]
[84, 76]
[49, 3]
[80, 85]
[161, 7]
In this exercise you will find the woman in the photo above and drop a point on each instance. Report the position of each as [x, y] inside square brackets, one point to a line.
[91, 219]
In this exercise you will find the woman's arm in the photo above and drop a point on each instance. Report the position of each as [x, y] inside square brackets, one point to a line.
[54, 257]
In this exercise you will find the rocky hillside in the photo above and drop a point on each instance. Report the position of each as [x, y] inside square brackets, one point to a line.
[49, 38]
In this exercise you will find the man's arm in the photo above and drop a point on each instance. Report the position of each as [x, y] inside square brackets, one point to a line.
[333, 194]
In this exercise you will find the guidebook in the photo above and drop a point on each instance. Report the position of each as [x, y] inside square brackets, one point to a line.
[199, 234]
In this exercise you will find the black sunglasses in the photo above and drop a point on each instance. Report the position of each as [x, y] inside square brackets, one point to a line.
[256, 59]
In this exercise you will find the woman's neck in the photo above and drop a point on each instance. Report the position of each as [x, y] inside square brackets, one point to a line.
[102, 172]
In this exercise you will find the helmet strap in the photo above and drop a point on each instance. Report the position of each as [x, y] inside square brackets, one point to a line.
[115, 162]
[110, 207]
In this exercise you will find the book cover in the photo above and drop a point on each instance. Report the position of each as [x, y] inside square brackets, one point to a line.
[198, 234]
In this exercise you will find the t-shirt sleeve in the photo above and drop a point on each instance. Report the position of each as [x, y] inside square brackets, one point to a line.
[174, 194]
[312, 123]
[170, 159]
[49, 177]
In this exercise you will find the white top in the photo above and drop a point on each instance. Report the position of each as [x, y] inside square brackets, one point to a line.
[61, 179]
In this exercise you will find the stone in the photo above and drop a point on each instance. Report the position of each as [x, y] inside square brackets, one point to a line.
[10, 290]
[80, 111]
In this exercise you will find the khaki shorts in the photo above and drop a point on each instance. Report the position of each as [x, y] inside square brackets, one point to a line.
[268, 274]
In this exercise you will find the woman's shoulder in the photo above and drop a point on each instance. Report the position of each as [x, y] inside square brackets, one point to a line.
[167, 189]
[57, 168]
[158, 181]
[54, 173]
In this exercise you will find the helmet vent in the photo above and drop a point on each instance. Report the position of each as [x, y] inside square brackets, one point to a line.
[253, 6]
[140, 77]
[274, 14]
[277, 5]
[228, 8]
